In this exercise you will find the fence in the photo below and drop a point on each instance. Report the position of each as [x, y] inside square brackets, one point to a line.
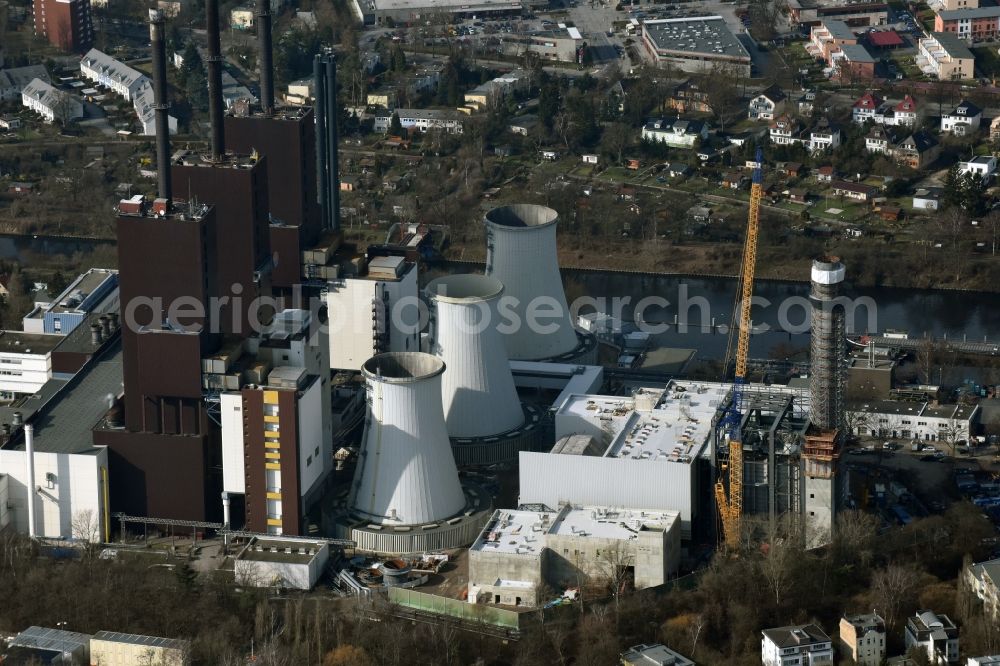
[456, 608]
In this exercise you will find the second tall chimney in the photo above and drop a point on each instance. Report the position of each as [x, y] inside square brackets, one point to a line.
[161, 103]
[265, 57]
[215, 79]
[325, 83]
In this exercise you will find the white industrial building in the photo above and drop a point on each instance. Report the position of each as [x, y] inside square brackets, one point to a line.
[50, 646]
[113, 648]
[286, 563]
[50, 103]
[276, 415]
[422, 120]
[521, 551]
[638, 451]
[25, 361]
[375, 312]
[900, 419]
[93, 291]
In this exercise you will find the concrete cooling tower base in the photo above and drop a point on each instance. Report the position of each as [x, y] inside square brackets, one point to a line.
[501, 448]
[585, 352]
[387, 539]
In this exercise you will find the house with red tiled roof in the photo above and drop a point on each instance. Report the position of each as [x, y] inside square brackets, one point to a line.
[866, 107]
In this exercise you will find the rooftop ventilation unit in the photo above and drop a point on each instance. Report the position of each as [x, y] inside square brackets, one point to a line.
[478, 389]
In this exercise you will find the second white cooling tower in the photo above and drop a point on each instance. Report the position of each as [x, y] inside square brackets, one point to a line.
[406, 473]
[521, 253]
[478, 389]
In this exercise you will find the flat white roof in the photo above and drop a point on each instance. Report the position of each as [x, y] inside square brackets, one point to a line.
[518, 532]
[672, 424]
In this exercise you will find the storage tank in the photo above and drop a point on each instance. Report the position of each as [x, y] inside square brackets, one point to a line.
[406, 473]
[521, 254]
[478, 391]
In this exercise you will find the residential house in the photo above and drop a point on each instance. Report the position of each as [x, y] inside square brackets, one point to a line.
[963, 120]
[687, 97]
[50, 103]
[677, 133]
[862, 638]
[384, 96]
[905, 113]
[677, 169]
[14, 79]
[984, 580]
[349, 183]
[20, 189]
[917, 150]
[807, 103]
[935, 634]
[824, 136]
[970, 24]
[995, 129]
[881, 139]
[733, 180]
[108, 72]
[632, 163]
[768, 104]
[927, 198]
[523, 125]
[653, 655]
[798, 195]
[983, 166]
[791, 169]
[241, 18]
[589, 159]
[785, 131]
[890, 213]
[802, 645]
[866, 107]
[856, 191]
[826, 174]
[945, 57]
[9, 122]
[925, 421]
[422, 120]
[828, 38]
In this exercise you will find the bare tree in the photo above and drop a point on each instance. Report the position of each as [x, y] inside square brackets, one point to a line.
[781, 549]
[891, 589]
[614, 564]
[86, 528]
[614, 141]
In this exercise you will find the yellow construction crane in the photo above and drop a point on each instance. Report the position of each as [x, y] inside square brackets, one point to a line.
[731, 506]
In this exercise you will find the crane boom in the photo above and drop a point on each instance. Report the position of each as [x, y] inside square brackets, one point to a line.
[731, 507]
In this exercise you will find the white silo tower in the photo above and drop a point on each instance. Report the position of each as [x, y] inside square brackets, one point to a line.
[406, 474]
[478, 389]
[521, 253]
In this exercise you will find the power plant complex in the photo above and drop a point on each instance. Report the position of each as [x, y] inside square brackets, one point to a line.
[347, 417]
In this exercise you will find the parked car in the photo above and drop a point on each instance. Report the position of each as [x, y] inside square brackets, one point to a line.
[927, 448]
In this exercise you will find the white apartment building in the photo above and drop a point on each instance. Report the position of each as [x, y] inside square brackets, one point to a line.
[984, 579]
[944, 56]
[862, 638]
[802, 645]
[25, 362]
[50, 103]
[935, 634]
[422, 120]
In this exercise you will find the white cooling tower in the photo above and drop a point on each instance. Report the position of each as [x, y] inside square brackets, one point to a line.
[478, 389]
[406, 474]
[521, 253]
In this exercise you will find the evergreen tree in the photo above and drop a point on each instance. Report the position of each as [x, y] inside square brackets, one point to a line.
[398, 59]
[952, 187]
[395, 127]
[193, 78]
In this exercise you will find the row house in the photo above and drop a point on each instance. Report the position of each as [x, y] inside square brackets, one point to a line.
[963, 120]
[108, 72]
[827, 39]
[970, 24]
[50, 103]
[767, 105]
[871, 107]
[945, 57]
[422, 120]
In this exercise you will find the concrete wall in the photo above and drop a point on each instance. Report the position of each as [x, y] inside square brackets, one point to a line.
[298, 576]
[74, 487]
[487, 568]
